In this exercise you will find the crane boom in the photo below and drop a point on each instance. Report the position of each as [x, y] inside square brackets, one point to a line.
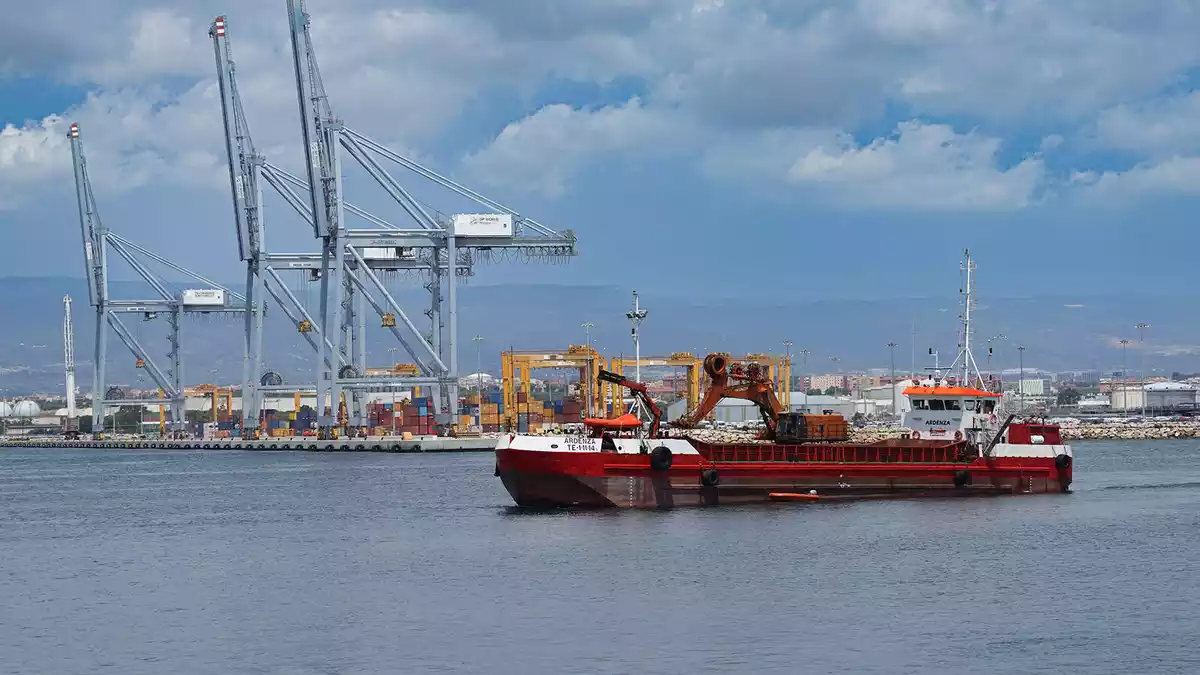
[639, 392]
[752, 385]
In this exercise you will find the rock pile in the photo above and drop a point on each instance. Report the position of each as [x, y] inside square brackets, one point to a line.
[1131, 431]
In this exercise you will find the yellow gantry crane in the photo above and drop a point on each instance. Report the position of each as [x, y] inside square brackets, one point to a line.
[686, 360]
[516, 366]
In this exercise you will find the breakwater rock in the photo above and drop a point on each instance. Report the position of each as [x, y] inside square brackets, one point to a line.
[1073, 430]
[1131, 431]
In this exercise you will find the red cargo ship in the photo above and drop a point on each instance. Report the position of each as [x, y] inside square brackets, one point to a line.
[956, 446]
[604, 469]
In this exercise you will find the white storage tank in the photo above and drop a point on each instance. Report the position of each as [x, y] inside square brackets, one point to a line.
[26, 410]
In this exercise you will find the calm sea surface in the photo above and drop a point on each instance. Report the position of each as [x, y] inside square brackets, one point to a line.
[235, 562]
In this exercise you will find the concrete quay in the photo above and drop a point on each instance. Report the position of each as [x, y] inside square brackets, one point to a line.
[386, 444]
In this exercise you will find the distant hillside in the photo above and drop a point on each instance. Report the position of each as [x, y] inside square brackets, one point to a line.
[1059, 332]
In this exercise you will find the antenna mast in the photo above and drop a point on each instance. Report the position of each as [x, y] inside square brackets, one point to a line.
[69, 357]
[969, 366]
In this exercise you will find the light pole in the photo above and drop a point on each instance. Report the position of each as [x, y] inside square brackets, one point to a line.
[787, 358]
[636, 317]
[478, 380]
[392, 353]
[837, 361]
[996, 337]
[892, 348]
[587, 327]
[1124, 375]
[804, 370]
[1021, 382]
[1142, 341]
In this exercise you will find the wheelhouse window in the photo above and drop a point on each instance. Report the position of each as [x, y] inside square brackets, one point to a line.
[952, 404]
[969, 404]
[937, 404]
[989, 407]
[920, 404]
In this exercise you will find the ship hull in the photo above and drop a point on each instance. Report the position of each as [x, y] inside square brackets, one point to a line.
[538, 478]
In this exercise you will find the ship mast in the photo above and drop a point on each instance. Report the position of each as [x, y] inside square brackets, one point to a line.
[967, 359]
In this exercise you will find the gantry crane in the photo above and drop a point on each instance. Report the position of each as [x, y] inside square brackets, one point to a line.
[685, 360]
[516, 368]
[438, 246]
[98, 240]
[248, 171]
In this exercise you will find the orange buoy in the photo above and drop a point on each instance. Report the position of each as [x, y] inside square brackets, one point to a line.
[793, 496]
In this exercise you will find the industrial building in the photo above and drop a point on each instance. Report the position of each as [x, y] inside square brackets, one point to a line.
[1169, 395]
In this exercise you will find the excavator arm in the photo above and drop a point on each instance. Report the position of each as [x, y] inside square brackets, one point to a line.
[748, 383]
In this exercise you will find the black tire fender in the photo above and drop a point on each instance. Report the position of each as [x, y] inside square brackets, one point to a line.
[1062, 462]
[962, 478]
[710, 478]
[661, 458]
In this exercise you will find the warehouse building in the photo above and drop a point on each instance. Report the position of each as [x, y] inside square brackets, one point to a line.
[1170, 396]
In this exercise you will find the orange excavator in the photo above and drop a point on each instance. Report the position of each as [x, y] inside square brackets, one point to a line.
[747, 381]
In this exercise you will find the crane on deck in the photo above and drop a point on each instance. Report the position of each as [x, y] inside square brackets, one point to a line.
[749, 381]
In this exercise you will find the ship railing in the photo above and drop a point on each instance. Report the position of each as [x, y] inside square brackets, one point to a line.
[949, 453]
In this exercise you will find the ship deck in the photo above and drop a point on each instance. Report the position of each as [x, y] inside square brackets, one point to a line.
[891, 451]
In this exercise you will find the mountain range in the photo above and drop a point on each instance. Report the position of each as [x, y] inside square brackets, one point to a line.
[1058, 333]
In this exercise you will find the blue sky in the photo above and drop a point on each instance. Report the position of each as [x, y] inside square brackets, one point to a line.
[830, 149]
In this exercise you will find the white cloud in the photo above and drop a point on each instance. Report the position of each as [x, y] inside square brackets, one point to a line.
[160, 42]
[923, 166]
[1172, 176]
[757, 84]
[30, 154]
[542, 151]
[1158, 128]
